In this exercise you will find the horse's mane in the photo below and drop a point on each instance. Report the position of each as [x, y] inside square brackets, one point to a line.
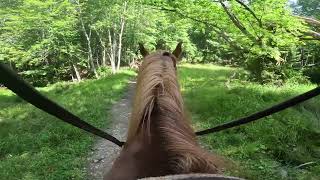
[156, 75]
[158, 98]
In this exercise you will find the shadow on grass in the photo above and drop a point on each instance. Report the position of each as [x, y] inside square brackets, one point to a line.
[7, 98]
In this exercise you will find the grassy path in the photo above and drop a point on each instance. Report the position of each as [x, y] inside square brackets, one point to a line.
[104, 152]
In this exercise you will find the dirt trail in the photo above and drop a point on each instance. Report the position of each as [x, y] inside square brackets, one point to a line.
[104, 152]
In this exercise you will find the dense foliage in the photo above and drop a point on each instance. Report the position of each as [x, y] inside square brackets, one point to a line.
[52, 40]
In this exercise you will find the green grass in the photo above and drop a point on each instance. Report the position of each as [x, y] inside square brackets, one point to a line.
[35, 145]
[271, 148]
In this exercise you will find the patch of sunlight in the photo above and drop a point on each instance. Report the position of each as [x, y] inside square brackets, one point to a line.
[112, 101]
[197, 125]
[205, 66]
[6, 92]
[117, 86]
[195, 79]
[231, 150]
[128, 72]
[288, 88]
[200, 125]
[221, 78]
[25, 155]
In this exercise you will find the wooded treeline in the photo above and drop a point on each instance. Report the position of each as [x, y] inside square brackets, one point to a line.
[54, 40]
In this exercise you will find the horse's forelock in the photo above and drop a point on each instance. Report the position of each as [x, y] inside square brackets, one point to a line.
[160, 56]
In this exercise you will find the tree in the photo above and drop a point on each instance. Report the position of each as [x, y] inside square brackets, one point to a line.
[48, 41]
[38, 38]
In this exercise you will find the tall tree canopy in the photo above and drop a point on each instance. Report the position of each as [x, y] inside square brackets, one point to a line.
[48, 41]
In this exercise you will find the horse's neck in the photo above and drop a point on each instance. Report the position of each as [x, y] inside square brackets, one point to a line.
[168, 147]
[140, 158]
[145, 153]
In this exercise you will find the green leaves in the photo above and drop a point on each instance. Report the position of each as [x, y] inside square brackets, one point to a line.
[36, 33]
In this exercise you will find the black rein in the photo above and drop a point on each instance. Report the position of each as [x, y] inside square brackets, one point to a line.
[266, 112]
[12, 81]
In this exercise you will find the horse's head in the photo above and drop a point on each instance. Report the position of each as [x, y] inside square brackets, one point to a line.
[174, 56]
[160, 138]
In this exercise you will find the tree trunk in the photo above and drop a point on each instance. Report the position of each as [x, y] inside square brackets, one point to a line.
[88, 38]
[103, 53]
[104, 63]
[76, 72]
[123, 20]
[111, 54]
[90, 56]
[301, 58]
[72, 77]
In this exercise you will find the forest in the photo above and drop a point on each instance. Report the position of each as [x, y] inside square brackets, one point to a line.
[239, 57]
[57, 40]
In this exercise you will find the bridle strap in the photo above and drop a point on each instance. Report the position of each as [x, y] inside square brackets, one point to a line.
[16, 84]
[256, 116]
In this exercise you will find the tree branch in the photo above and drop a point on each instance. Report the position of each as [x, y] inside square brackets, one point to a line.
[215, 27]
[315, 35]
[237, 23]
[309, 39]
[251, 12]
[311, 21]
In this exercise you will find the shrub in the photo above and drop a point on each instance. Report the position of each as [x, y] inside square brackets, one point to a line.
[313, 73]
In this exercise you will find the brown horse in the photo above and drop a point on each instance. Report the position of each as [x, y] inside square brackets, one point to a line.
[160, 139]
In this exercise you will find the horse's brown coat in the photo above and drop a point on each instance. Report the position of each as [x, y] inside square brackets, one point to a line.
[160, 139]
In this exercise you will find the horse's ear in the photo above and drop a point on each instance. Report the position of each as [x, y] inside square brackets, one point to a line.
[143, 50]
[178, 51]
